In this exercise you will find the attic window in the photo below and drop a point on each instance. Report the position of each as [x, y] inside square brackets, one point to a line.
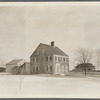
[37, 52]
[42, 50]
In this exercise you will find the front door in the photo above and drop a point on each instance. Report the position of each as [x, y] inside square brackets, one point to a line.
[57, 69]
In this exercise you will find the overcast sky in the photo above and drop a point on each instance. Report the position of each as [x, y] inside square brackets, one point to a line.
[71, 27]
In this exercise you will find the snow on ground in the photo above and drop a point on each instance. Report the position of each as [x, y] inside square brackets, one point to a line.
[30, 86]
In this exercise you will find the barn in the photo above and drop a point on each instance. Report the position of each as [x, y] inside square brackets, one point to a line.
[18, 66]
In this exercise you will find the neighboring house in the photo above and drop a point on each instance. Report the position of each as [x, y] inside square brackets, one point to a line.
[2, 69]
[13, 64]
[81, 67]
[49, 59]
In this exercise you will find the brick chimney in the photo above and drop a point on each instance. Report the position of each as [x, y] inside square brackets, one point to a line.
[52, 43]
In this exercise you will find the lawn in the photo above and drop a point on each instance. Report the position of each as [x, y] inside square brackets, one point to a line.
[49, 86]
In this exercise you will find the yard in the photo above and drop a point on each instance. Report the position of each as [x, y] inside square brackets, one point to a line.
[49, 86]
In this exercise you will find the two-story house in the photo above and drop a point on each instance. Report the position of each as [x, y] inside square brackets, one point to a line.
[49, 59]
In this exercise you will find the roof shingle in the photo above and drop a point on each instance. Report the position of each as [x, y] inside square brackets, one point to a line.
[15, 61]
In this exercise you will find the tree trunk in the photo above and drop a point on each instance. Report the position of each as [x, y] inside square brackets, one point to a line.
[85, 68]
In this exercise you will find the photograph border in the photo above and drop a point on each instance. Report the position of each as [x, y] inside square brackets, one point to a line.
[4, 1]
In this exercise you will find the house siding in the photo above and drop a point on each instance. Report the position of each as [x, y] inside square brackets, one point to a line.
[42, 63]
[9, 67]
[24, 69]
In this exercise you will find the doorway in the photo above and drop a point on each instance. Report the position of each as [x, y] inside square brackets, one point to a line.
[57, 69]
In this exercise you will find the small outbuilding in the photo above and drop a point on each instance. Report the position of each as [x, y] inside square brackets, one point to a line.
[2, 69]
[24, 69]
[13, 65]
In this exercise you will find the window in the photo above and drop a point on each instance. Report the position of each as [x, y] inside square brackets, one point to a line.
[59, 58]
[49, 68]
[64, 59]
[49, 58]
[56, 58]
[35, 60]
[36, 68]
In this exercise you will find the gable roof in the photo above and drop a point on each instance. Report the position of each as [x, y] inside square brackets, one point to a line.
[2, 68]
[15, 61]
[51, 50]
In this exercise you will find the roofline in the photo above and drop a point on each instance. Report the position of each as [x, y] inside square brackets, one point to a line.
[13, 60]
[35, 49]
[47, 45]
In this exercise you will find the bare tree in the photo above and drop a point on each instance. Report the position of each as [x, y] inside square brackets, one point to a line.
[84, 56]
